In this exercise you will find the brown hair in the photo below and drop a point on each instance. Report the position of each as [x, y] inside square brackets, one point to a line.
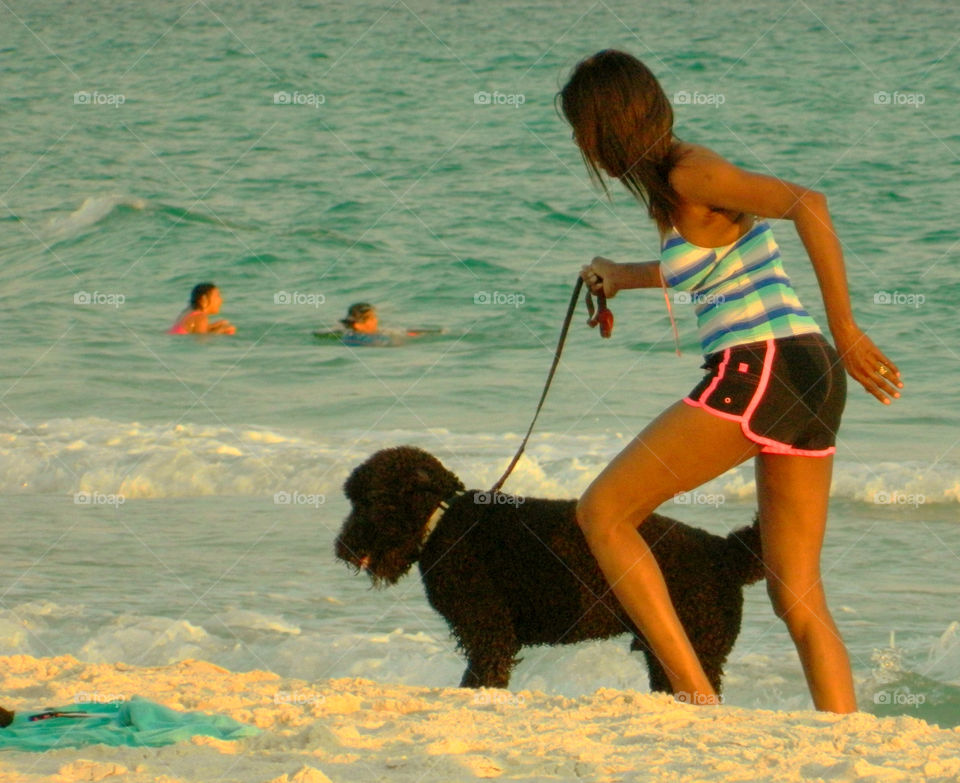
[199, 291]
[357, 312]
[622, 119]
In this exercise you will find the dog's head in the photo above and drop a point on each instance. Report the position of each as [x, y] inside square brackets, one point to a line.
[392, 496]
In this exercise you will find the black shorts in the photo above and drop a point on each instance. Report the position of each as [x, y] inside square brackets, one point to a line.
[787, 393]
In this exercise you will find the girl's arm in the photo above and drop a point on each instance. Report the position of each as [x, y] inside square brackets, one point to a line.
[223, 326]
[706, 178]
[195, 323]
[618, 277]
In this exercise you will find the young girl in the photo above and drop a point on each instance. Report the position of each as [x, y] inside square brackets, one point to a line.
[205, 300]
[774, 387]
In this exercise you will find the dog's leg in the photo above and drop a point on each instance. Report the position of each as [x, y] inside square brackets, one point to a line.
[659, 682]
[482, 624]
[490, 668]
[491, 648]
[727, 628]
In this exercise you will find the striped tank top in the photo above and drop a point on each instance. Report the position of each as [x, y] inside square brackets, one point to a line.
[740, 291]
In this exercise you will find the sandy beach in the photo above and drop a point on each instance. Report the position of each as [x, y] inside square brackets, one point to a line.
[354, 729]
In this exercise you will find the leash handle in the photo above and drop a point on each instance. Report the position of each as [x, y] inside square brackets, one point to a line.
[553, 368]
[603, 317]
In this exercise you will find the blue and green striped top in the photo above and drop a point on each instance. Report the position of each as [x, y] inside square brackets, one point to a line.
[741, 293]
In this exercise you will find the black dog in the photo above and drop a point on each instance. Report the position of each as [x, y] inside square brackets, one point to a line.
[507, 572]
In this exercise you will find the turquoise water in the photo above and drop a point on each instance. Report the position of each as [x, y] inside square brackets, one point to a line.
[311, 155]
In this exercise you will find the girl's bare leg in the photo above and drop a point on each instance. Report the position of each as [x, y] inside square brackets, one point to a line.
[679, 450]
[793, 493]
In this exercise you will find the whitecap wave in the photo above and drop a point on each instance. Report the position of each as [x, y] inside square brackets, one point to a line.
[96, 455]
[90, 212]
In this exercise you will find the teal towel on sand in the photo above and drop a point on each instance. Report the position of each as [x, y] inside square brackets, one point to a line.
[135, 722]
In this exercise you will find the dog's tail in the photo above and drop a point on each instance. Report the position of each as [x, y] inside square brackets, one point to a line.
[746, 557]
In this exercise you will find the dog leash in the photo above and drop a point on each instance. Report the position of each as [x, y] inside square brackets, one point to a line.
[601, 317]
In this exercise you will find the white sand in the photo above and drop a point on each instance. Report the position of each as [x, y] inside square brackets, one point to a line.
[357, 730]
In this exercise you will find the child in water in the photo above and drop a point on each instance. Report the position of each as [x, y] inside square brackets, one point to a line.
[362, 326]
[205, 300]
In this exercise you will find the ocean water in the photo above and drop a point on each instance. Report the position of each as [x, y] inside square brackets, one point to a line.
[310, 155]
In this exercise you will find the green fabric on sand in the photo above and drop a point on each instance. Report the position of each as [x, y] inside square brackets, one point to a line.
[136, 722]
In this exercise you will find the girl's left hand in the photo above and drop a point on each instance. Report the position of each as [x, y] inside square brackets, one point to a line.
[600, 276]
[868, 365]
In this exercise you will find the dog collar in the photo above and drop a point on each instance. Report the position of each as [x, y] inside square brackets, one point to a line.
[436, 516]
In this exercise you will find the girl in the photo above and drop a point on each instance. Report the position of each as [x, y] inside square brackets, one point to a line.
[774, 388]
[205, 300]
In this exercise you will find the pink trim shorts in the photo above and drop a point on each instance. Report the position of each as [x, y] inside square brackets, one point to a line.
[787, 393]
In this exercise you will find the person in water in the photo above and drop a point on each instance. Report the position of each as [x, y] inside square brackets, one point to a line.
[362, 326]
[361, 318]
[205, 300]
[774, 388]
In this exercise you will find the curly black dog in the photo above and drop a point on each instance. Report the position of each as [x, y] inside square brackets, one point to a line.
[506, 572]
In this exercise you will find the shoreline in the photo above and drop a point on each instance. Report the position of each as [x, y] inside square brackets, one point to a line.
[352, 729]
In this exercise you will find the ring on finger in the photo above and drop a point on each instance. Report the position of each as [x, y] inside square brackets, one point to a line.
[882, 369]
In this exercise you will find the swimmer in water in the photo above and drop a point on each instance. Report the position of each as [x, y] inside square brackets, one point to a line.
[361, 317]
[205, 300]
[363, 326]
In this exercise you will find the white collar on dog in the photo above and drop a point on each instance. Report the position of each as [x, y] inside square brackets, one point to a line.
[436, 516]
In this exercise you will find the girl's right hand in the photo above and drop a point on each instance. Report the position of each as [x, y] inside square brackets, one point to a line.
[223, 326]
[601, 275]
[868, 365]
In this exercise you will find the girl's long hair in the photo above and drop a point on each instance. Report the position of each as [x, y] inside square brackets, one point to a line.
[622, 119]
